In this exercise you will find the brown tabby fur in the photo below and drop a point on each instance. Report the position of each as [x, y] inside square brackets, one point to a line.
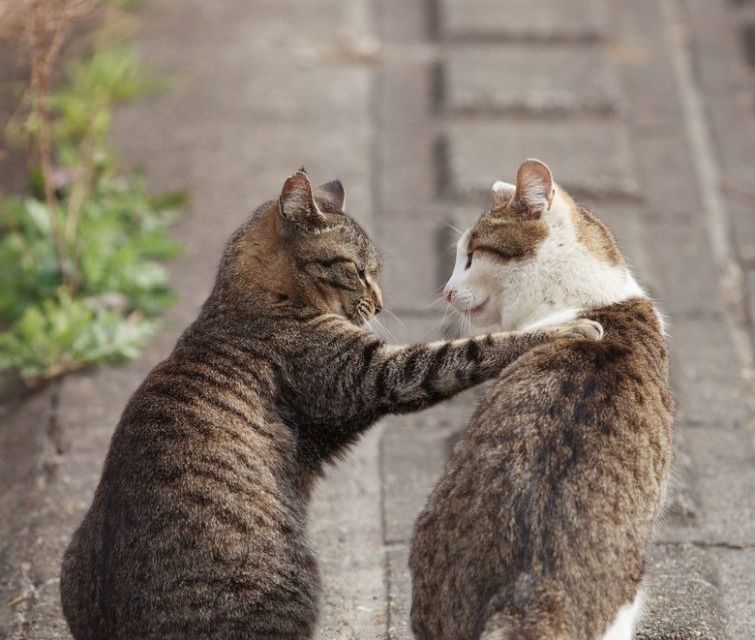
[198, 525]
[539, 528]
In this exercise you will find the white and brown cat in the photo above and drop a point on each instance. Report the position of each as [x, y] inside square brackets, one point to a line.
[540, 526]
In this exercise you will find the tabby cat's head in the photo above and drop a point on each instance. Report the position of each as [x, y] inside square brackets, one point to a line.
[303, 249]
[536, 252]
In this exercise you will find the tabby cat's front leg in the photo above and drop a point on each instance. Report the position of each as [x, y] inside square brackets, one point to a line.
[360, 378]
[411, 378]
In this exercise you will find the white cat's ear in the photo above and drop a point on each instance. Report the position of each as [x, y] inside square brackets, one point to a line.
[502, 192]
[297, 203]
[331, 193]
[534, 186]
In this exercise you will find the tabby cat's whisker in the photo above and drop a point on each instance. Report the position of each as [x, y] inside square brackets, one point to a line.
[395, 317]
[385, 330]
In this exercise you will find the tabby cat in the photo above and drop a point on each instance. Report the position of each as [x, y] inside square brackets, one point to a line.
[540, 525]
[198, 525]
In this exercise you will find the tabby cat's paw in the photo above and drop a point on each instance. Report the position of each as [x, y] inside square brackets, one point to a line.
[581, 328]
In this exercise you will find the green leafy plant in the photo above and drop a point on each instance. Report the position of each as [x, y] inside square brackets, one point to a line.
[81, 273]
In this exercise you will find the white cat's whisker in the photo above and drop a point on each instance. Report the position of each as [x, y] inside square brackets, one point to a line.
[453, 228]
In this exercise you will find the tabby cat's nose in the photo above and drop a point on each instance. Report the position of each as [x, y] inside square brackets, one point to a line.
[377, 300]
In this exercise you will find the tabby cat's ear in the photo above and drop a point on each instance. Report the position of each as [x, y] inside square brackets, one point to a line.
[297, 203]
[332, 193]
[534, 186]
[502, 192]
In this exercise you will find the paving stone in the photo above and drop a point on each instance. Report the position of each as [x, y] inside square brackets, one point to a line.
[704, 371]
[588, 157]
[520, 78]
[750, 284]
[723, 73]
[406, 176]
[346, 535]
[524, 19]
[413, 455]
[399, 594]
[640, 52]
[402, 22]
[667, 175]
[416, 265]
[681, 272]
[736, 567]
[26, 457]
[741, 204]
[722, 471]
[406, 184]
[683, 600]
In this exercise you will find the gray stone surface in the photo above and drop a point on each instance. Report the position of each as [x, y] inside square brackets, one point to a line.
[706, 376]
[523, 79]
[683, 283]
[683, 596]
[399, 594]
[719, 487]
[729, 98]
[524, 19]
[414, 457]
[736, 567]
[599, 162]
[346, 533]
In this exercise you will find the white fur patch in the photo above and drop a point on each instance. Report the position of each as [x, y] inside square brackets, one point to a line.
[563, 277]
[626, 620]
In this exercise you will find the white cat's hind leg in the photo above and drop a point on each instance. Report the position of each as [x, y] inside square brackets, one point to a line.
[627, 617]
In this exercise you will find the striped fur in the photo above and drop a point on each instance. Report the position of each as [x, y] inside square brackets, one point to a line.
[198, 526]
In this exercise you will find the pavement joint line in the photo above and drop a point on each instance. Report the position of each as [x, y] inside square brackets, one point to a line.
[704, 544]
[709, 180]
[486, 115]
[479, 37]
[432, 13]
[395, 545]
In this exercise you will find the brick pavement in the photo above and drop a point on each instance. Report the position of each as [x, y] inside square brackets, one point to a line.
[632, 105]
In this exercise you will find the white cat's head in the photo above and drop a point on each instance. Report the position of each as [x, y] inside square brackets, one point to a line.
[536, 252]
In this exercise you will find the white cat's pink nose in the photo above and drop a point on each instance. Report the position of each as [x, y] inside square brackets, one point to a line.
[448, 293]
